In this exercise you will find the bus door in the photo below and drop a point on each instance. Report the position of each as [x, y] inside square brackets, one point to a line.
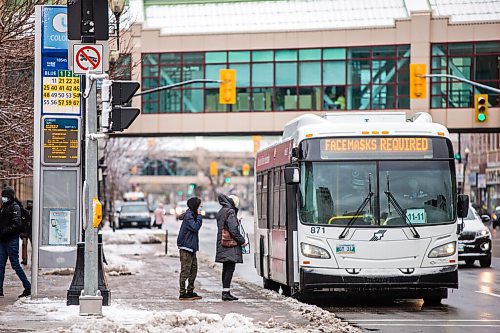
[277, 225]
[262, 255]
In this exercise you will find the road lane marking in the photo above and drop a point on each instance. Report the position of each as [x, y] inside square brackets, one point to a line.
[428, 325]
[487, 293]
[435, 320]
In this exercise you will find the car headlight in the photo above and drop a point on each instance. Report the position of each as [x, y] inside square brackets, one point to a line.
[203, 213]
[445, 250]
[178, 210]
[313, 251]
[483, 233]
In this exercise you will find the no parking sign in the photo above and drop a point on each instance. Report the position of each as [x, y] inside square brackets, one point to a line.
[87, 57]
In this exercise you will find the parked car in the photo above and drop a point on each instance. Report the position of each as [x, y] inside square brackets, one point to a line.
[181, 208]
[210, 209]
[474, 242]
[496, 217]
[134, 214]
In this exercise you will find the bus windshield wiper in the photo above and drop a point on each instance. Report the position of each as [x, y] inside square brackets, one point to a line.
[392, 200]
[367, 199]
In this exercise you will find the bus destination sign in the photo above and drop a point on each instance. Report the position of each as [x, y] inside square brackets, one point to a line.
[61, 141]
[386, 147]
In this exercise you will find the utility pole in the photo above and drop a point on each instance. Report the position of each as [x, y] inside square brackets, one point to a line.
[91, 299]
[88, 22]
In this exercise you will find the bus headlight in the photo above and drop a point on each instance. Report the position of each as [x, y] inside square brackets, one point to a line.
[445, 250]
[313, 251]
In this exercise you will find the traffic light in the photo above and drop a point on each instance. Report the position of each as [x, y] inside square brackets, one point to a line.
[213, 168]
[245, 169]
[227, 180]
[481, 108]
[116, 114]
[227, 88]
[418, 83]
[457, 157]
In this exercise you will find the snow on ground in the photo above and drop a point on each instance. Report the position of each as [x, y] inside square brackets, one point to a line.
[121, 318]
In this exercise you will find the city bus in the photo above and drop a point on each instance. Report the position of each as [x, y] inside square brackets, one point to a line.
[359, 203]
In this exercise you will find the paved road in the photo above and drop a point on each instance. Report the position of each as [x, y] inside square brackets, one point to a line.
[475, 307]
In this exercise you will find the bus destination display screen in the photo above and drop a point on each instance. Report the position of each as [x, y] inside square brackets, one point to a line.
[379, 147]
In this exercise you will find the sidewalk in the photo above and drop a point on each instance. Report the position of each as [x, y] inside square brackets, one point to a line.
[147, 299]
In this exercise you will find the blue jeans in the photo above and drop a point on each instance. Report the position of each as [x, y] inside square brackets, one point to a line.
[10, 250]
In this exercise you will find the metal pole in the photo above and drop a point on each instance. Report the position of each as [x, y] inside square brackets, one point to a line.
[90, 285]
[463, 80]
[35, 226]
[166, 241]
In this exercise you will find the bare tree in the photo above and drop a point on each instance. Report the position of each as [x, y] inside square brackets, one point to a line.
[16, 87]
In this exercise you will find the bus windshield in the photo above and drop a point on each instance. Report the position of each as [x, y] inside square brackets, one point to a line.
[332, 193]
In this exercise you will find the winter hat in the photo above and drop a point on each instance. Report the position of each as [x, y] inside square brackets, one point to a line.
[193, 204]
[235, 200]
[8, 192]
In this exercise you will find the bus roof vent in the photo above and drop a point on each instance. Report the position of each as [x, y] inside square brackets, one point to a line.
[365, 117]
[421, 117]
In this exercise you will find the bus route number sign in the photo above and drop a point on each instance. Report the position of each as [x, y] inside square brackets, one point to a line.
[61, 144]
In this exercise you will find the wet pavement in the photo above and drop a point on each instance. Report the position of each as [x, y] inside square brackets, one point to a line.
[474, 307]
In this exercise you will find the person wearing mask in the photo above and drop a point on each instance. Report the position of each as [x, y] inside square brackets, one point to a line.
[188, 244]
[10, 225]
[228, 256]
[159, 216]
[26, 233]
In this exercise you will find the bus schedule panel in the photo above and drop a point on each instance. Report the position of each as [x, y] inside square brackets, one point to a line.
[61, 144]
[376, 148]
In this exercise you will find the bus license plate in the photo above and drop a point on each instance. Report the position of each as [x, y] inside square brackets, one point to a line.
[345, 249]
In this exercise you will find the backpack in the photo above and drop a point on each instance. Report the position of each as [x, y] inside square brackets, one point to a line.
[25, 226]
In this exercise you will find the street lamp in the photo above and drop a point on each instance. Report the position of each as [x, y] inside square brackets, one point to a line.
[116, 7]
[467, 152]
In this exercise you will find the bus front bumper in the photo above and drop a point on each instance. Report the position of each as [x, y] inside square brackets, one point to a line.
[313, 278]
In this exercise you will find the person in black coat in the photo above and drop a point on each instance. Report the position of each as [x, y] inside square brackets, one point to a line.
[10, 227]
[188, 244]
[228, 256]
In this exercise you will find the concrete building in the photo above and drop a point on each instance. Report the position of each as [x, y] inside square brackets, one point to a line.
[313, 56]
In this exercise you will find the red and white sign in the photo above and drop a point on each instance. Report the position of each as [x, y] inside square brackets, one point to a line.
[87, 57]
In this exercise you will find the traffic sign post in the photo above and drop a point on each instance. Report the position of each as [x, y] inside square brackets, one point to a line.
[88, 58]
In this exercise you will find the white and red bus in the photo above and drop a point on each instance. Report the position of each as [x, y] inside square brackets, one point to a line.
[359, 202]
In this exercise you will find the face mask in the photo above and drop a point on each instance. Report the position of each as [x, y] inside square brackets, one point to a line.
[5, 199]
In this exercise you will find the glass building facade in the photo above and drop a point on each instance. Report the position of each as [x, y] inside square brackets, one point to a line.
[353, 78]
[476, 61]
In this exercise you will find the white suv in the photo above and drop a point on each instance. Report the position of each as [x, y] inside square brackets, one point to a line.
[474, 242]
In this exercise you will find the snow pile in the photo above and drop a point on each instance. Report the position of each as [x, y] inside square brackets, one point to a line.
[127, 239]
[59, 271]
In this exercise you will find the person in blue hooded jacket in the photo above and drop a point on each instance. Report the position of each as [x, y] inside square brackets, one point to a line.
[188, 244]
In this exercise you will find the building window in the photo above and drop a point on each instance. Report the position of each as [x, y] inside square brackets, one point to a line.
[122, 69]
[476, 61]
[354, 78]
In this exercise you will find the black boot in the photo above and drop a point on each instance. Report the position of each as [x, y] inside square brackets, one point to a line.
[226, 296]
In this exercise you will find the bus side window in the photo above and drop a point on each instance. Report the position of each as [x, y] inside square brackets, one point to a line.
[259, 199]
[282, 200]
[264, 202]
[276, 199]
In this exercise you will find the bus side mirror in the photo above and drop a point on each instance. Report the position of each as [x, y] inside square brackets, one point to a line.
[463, 205]
[292, 175]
